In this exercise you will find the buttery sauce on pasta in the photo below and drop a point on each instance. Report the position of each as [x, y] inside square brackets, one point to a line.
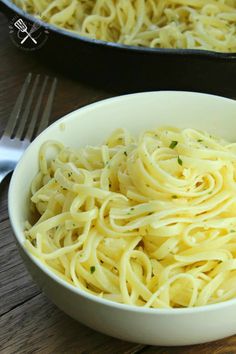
[197, 24]
[148, 221]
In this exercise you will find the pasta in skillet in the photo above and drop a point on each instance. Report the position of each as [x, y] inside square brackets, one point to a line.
[147, 222]
[192, 24]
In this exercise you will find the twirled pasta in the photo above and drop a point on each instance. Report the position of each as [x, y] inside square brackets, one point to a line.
[198, 24]
[148, 222]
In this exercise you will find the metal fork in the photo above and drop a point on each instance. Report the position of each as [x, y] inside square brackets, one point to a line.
[21, 125]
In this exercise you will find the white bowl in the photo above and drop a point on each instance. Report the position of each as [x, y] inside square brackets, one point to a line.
[91, 125]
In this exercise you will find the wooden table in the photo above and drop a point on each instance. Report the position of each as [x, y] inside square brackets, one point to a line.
[29, 322]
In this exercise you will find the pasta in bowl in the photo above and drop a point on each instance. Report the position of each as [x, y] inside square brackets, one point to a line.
[148, 222]
[141, 224]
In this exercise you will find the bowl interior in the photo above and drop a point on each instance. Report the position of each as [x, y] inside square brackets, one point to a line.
[137, 112]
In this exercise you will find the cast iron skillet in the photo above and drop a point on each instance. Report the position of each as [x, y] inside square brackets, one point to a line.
[126, 68]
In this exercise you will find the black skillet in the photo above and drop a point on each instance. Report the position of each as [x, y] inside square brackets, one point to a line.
[127, 69]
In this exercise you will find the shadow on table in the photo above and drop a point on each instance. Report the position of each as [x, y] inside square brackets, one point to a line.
[3, 197]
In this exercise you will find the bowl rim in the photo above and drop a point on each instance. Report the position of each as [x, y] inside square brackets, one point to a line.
[53, 276]
[118, 46]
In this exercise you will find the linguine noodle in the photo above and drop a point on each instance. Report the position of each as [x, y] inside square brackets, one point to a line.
[148, 222]
[192, 24]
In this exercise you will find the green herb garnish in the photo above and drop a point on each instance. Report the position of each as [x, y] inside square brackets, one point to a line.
[173, 144]
[92, 269]
[174, 196]
[180, 162]
[200, 140]
[125, 153]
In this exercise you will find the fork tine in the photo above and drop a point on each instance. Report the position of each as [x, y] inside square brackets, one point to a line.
[33, 122]
[17, 108]
[25, 115]
[47, 111]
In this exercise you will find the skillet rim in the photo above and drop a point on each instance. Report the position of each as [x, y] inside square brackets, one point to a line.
[117, 46]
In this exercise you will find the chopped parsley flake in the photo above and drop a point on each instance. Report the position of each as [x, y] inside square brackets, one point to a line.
[173, 144]
[180, 162]
[92, 269]
[200, 140]
[125, 153]
[174, 196]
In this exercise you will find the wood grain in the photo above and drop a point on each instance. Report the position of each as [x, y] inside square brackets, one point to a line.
[30, 323]
[224, 346]
[48, 330]
[15, 64]
[15, 283]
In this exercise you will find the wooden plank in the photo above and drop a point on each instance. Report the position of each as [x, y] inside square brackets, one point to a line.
[16, 64]
[224, 346]
[15, 282]
[31, 324]
[39, 327]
